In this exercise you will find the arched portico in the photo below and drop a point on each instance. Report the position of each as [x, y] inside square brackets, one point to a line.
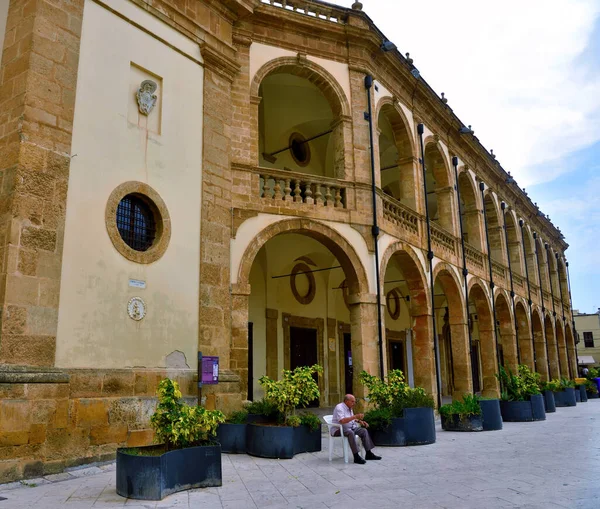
[440, 187]
[552, 349]
[525, 342]
[506, 329]
[470, 210]
[541, 347]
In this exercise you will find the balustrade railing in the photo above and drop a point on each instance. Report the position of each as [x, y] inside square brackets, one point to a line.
[499, 270]
[474, 256]
[277, 185]
[443, 238]
[312, 9]
[400, 214]
[518, 281]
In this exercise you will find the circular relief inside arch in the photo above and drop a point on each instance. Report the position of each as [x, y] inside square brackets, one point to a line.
[303, 292]
[299, 149]
[392, 301]
[138, 222]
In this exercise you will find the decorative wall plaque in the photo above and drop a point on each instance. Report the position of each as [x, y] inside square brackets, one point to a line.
[136, 308]
[145, 96]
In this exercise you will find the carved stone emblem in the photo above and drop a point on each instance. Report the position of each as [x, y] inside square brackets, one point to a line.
[145, 96]
[136, 308]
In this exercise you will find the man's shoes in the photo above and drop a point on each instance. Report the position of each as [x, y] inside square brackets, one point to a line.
[358, 459]
[371, 456]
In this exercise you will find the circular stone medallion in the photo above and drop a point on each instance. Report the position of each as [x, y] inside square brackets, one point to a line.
[136, 308]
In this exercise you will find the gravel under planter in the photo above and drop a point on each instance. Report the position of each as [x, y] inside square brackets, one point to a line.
[232, 438]
[549, 402]
[145, 477]
[457, 423]
[524, 411]
[417, 427]
[490, 414]
[565, 397]
[582, 392]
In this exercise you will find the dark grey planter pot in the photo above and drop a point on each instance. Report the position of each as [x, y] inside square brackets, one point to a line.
[270, 441]
[306, 440]
[592, 395]
[491, 415]
[468, 423]
[232, 438]
[565, 398]
[582, 393]
[524, 411]
[417, 427]
[549, 402]
[155, 477]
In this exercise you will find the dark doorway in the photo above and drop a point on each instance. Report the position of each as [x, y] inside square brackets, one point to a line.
[303, 346]
[348, 368]
[475, 366]
[250, 361]
[397, 355]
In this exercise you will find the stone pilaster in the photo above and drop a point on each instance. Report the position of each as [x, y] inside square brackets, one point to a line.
[38, 81]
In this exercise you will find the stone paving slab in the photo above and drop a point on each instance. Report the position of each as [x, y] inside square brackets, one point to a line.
[553, 464]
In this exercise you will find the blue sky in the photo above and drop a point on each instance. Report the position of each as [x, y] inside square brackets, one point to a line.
[526, 76]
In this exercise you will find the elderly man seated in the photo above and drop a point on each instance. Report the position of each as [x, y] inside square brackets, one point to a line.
[353, 426]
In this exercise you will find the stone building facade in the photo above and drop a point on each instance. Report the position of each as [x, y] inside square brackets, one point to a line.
[200, 175]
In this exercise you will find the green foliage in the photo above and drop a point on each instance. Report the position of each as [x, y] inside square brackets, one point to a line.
[239, 417]
[379, 418]
[520, 386]
[296, 388]
[178, 425]
[551, 385]
[467, 407]
[593, 373]
[293, 420]
[591, 387]
[565, 383]
[263, 407]
[310, 420]
[394, 393]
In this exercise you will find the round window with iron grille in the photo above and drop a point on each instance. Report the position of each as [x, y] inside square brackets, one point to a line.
[138, 223]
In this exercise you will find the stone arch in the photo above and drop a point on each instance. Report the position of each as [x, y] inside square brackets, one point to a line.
[541, 347]
[456, 329]
[554, 365]
[313, 72]
[487, 336]
[494, 227]
[424, 365]
[470, 209]
[506, 330]
[398, 168]
[440, 186]
[524, 331]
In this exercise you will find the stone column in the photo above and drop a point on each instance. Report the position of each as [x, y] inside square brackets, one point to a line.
[489, 360]
[551, 339]
[215, 316]
[238, 357]
[509, 347]
[447, 209]
[461, 358]
[473, 226]
[408, 168]
[332, 362]
[272, 316]
[526, 347]
[424, 365]
[540, 354]
[496, 234]
[38, 79]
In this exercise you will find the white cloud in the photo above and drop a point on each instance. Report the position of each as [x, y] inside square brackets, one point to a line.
[511, 69]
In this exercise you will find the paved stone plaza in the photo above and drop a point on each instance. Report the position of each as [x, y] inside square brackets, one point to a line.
[551, 464]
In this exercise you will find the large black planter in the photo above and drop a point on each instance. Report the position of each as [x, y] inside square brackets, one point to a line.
[256, 419]
[306, 440]
[582, 393]
[232, 438]
[565, 397]
[270, 441]
[417, 427]
[490, 413]
[155, 477]
[467, 423]
[524, 411]
[592, 395]
[549, 402]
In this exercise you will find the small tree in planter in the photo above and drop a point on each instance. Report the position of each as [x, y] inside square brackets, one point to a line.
[186, 457]
[549, 389]
[565, 394]
[287, 436]
[591, 389]
[521, 400]
[462, 415]
[402, 415]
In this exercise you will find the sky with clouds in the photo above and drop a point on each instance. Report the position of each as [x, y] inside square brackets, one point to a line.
[526, 76]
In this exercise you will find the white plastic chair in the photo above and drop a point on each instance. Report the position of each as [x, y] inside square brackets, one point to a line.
[345, 445]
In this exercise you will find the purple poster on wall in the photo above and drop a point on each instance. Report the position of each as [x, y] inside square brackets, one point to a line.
[210, 370]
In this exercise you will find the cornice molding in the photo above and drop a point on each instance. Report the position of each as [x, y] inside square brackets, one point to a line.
[218, 62]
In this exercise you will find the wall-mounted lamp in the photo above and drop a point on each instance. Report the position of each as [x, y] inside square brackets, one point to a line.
[466, 130]
[388, 46]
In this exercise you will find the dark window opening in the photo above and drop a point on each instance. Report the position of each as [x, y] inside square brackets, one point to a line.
[588, 339]
[299, 149]
[136, 222]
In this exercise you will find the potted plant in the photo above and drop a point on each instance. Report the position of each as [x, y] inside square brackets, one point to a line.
[490, 414]
[307, 436]
[231, 434]
[262, 410]
[401, 415]
[565, 396]
[521, 400]
[591, 389]
[462, 415]
[548, 389]
[286, 436]
[186, 455]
